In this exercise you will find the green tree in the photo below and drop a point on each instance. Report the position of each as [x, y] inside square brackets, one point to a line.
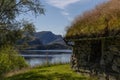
[9, 9]
[10, 29]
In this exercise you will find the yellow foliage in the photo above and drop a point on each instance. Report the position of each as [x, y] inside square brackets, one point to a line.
[95, 22]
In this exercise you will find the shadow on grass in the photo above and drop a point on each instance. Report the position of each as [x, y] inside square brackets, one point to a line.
[38, 76]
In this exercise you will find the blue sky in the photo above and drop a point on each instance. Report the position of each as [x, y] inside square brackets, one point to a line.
[60, 13]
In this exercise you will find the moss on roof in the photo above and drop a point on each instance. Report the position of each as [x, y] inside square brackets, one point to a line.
[102, 21]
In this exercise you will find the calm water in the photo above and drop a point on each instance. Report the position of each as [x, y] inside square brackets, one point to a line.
[39, 57]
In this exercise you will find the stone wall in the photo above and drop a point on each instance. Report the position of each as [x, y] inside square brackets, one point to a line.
[80, 56]
[111, 57]
[109, 63]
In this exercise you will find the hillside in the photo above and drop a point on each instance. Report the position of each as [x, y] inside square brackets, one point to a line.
[47, 37]
[44, 40]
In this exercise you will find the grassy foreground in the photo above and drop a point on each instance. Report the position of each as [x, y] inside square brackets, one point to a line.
[54, 72]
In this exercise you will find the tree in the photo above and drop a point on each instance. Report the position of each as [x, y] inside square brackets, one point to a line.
[10, 29]
[9, 9]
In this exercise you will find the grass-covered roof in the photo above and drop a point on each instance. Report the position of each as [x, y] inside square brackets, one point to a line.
[102, 21]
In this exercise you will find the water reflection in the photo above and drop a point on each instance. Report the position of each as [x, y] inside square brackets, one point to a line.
[42, 58]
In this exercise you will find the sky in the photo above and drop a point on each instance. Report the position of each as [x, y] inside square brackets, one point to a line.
[59, 14]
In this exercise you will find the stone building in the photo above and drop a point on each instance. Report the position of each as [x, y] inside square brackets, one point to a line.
[96, 56]
[95, 38]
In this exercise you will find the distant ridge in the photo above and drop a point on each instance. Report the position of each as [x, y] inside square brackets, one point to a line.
[45, 40]
[47, 37]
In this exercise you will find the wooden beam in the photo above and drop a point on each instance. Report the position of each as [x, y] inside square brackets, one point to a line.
[89, 39]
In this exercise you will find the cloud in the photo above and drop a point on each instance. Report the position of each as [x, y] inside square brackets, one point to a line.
[65, 13]
[69, 18]
[61, 4]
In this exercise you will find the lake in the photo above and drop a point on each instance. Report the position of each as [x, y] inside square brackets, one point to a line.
[39, 57]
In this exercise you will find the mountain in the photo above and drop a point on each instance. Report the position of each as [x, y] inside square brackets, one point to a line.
[45, 40]
[47, 37]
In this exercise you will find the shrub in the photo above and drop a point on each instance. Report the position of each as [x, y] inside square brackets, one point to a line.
[10, 60]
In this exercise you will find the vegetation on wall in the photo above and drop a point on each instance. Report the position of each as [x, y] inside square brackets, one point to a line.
[104, 20]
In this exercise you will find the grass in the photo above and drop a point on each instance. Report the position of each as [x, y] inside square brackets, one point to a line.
[54, 72]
